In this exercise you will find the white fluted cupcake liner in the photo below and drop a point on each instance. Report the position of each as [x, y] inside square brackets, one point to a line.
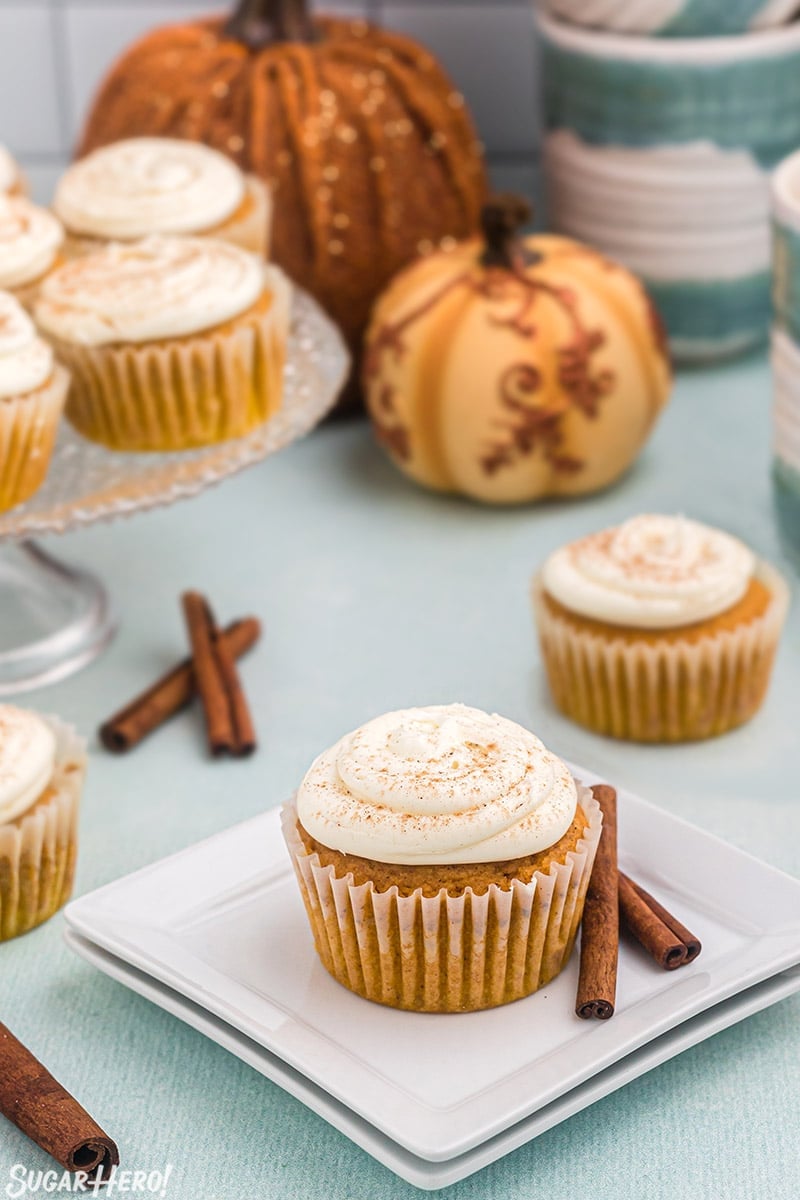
[38, 850]
[180, 393]
[28, 427]
[662, 691]
[446, 953]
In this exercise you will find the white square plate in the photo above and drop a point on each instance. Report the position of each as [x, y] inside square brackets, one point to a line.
[222, 925]
[419, 1171]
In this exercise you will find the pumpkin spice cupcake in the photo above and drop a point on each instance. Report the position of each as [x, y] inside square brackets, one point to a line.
[30, 247]
[143, 186]
[659, 630]
[33, 388]
[42, 768]
[443, 857]
[172, 342]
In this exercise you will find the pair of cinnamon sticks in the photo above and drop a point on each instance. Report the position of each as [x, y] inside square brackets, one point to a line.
[210, 673]
[46, 1112]
[613, 897]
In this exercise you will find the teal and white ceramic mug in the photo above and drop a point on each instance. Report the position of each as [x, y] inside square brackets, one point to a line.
[674, 18]
[785, 359]
[786, 244]
[659, 151]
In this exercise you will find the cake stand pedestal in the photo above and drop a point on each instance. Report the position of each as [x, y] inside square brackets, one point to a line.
[55, 617]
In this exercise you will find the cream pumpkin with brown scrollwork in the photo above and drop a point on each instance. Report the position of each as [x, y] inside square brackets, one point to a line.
[513, 369]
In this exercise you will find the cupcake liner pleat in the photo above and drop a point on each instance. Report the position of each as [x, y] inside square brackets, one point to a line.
[28, 428]
[181, 393]
[446, 953]
[39, 851]
[668, 691]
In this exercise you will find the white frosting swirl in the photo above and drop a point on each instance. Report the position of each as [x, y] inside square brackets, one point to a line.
[26, 362]
[143, 291]
[29, 240]
[444, 784]
[652, 572]
[27, 759]
[9, 171]
[148, 185]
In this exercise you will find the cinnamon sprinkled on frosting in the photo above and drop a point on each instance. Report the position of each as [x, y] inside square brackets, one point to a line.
[30, 238]
[143, 291]
[26, 362]
[652, 572]
[27, 759]
[443, 784]
[143, 186]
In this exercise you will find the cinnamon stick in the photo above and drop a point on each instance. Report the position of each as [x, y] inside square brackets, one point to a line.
[244, 732]
[597, 982]
[169, 694]
[44, 1111]
[229, 728]
[670, 943]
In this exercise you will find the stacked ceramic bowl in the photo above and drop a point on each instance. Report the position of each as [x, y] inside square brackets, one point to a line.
[786, 348]
[658, 150]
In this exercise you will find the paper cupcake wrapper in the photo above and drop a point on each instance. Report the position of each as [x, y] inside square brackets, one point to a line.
[180, 393]
[446, 953]
[662, 692]
[38, 852]
[28, 427]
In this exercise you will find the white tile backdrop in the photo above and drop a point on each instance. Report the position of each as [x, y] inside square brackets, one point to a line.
[53, 53]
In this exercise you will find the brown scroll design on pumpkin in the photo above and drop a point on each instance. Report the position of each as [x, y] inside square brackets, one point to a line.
[388, 339]
[529, 423]
[532, 425]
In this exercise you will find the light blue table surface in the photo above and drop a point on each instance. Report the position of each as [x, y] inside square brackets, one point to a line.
[376, 595]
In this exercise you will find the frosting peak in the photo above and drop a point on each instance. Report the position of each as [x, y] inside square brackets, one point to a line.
[26, 362]
[29, 240]
[652, 572]
[443, 784]
[9, 172]
[143, 291]
[140, 186]
[27, 759]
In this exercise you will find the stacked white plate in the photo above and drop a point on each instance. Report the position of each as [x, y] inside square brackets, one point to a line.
[217, 935]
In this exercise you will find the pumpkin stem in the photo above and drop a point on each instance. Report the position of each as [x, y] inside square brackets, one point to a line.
[501, 218]
[258, 23]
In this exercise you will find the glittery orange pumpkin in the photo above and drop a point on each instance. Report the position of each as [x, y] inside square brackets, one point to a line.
[512, 369]
[368, 148]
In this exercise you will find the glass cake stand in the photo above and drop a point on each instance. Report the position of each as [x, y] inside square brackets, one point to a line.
[55, 618]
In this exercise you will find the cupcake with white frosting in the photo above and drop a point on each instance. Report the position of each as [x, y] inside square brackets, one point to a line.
[33, 388]
[12, 182]
[143, 186]
[42, 768]
[443, 856]
[659, 630]
[172, 342]
[30, 247]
